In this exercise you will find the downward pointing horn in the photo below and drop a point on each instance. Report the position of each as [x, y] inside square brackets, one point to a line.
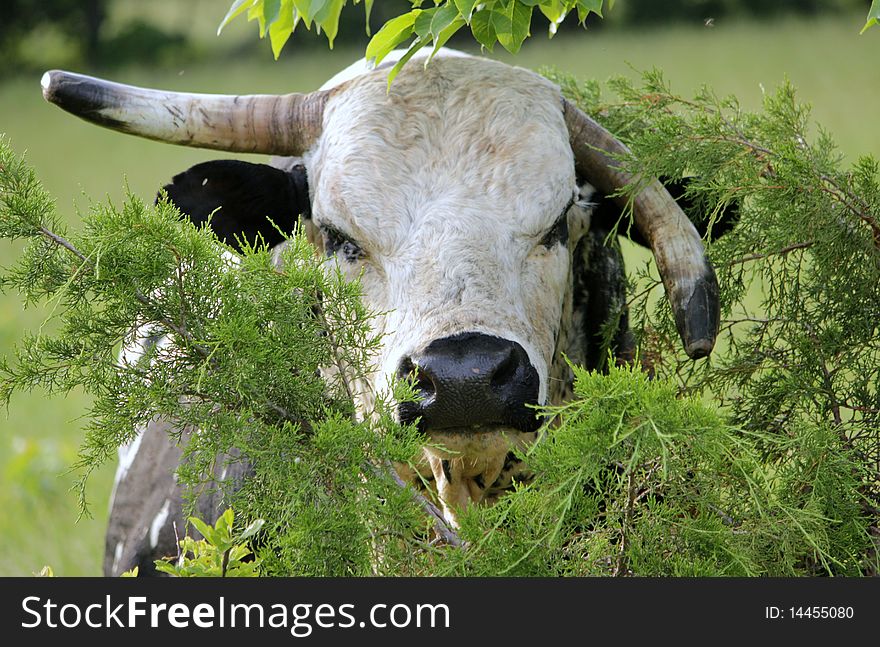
[688, 277]
[271, 124]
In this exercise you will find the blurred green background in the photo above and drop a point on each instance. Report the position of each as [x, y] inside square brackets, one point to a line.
[740, 47]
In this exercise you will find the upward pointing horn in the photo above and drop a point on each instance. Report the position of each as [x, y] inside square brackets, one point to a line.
[285, 124]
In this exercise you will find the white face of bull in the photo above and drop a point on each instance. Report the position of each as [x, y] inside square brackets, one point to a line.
[444, 198]
[449, 197]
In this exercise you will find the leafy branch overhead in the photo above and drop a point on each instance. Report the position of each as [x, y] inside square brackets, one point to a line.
[873, 15]
[493, 21]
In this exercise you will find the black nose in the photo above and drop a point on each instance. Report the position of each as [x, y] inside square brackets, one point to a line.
[470, 380]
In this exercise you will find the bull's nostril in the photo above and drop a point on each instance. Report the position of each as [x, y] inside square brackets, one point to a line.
[422, 381]
[505, 372]
[425, 385]
[406, 368]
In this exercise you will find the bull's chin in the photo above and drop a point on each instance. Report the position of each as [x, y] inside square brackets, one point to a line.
[467, 464]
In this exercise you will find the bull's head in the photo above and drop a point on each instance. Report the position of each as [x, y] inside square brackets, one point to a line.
[454, 197]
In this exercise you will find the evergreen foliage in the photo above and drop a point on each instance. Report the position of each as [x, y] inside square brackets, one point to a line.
[636, 480]
[760, 461]
[805, 363]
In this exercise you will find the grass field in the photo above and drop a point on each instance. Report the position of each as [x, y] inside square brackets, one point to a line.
[833, 67]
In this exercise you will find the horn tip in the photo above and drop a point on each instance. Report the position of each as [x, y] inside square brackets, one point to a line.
[697, 349]
[698, 320]
[50, 82]
[46, 84]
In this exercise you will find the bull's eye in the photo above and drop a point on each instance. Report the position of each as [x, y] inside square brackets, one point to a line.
[558, 233]
[338, 244]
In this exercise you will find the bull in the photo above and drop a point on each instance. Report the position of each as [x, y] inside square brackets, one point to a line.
[470, 199]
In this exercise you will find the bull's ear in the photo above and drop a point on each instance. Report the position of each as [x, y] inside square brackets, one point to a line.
[607, 213]
[244, 201]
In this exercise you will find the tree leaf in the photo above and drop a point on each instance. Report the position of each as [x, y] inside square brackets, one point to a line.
[586, 7]
[554, 10]
[225, 520]
[394, 32]
[443, 18]
[465, 8]
[416, 46]
[251, 530]
[165, 567]
[271, 10]
[238, 7]
[306, 11]
[282, 29]
[328, 18]
[445, 35]
[223, 530]
[873, 16]
[368, 10]
[311, 8]
[512, 23]
[483, 29]
[255, 12]
[206, 530]
[422, 25]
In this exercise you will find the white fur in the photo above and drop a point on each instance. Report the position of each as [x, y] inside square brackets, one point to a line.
[363, 66]
[127, 454]
[448, 182]
[117, 555]
[159, 521]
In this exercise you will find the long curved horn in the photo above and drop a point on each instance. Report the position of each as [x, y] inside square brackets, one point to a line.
[689, 279]
[272, 124]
